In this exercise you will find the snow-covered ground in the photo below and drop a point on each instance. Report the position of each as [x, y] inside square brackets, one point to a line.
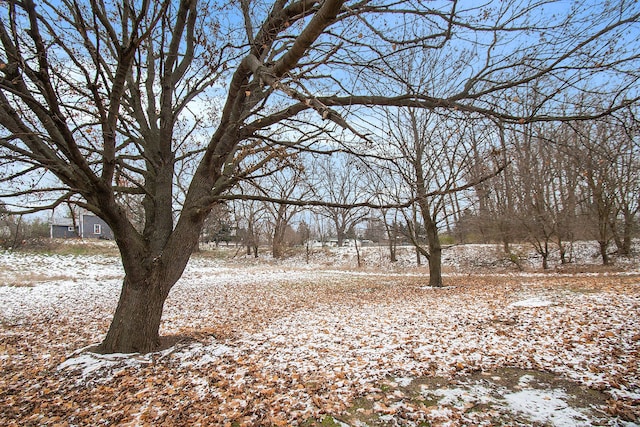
[284, 342]
[469, 257]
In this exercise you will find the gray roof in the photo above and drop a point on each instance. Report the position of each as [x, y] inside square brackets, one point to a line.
[65, 222]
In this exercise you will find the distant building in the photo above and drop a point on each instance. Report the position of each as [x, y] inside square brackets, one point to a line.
[63, 228]
[88, 227]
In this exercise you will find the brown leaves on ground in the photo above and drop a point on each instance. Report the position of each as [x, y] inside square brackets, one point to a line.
[282, 347]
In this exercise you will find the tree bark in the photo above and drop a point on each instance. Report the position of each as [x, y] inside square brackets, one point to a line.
[603, 251]
[278, 244]
[623, 240]
[340, 233]
[149, 277]
[435, 254]
[392, 234]
[355, 243]
[277, 249]
[627, 234]
[392, 251]
[136, 322]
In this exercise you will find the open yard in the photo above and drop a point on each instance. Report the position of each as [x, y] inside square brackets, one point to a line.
[287, 343]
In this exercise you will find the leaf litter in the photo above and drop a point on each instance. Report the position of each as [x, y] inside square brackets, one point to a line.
[287, 344]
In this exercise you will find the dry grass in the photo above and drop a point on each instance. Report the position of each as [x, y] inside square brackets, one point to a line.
[76, 247]
[19, 280]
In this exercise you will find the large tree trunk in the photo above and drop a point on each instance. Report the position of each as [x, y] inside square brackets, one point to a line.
[435, 253]
[277, 249]
[627, 235]
[151, 270]
[603, 234]
[435, 269]
[623, 240]
[278, 244]
[136, 322]
[340, 231]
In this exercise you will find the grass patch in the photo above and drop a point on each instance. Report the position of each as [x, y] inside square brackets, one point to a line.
[74, 247]
[30, 280]
[221, 253]
[327, 421]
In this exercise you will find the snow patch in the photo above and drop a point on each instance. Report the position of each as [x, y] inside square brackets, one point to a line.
[525, 380]
[545, 406]
[89, 363]
[532, 303]
[459, 397]
[199, 355]
[403, 381]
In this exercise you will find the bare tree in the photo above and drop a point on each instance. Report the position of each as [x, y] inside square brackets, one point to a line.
[575, 173]
[96, 94]
[249, 217]
[568, 194]
[340, 181]
[217, 227]
[392, 227]
[433, 157]
[604, 156]
[287, 183]
[627, 177]
[535, 210]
